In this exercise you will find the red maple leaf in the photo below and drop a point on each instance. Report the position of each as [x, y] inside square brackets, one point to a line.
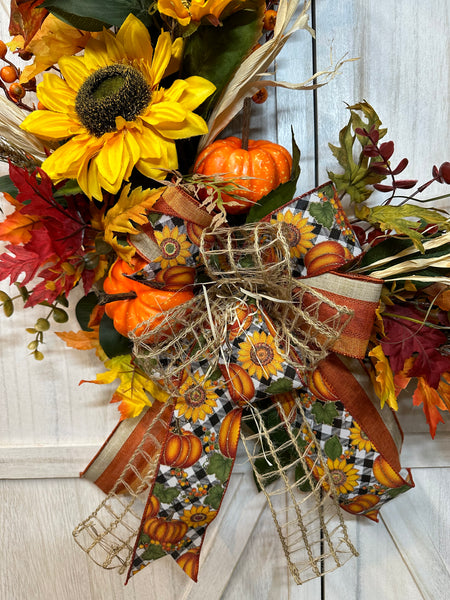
[19, 261]
[407, 335]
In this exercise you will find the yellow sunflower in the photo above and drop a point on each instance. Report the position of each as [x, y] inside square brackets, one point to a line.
[343, 474]
[195, 10]
[360, 439]
[259, 355]
[299, 234]
[174, 247]
[111, 106]
[197, 516]
[197, 398]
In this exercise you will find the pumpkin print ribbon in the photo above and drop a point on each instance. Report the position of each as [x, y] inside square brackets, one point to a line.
[264, 327]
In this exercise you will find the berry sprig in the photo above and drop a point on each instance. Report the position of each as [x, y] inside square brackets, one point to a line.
[10, 74]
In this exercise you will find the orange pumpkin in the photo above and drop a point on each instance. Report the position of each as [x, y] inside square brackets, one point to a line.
[181, 450]
[189, 563]
[265, 164]
[229, 433]
[152, 508]
[385, 474]
[363, 504]
[319, 387]
[239, 383]
[325, 256]
[163, 531]
[148, 304]
[178, 277]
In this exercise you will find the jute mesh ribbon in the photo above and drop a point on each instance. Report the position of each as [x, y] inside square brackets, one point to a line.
[108, 535]
[310, 525]
[243, 264]
[251, 263]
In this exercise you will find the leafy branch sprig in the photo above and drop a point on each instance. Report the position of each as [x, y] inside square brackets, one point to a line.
[42, 324]
[384, 152]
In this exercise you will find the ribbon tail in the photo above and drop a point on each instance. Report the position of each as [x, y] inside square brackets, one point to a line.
[194, 471]
[124, 469]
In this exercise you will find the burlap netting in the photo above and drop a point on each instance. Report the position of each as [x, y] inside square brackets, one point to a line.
[247, 264]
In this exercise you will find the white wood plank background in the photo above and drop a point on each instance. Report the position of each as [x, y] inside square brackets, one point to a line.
[50, 427]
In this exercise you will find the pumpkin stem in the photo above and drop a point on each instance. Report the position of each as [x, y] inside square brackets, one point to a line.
[104, 298]
[246, 122]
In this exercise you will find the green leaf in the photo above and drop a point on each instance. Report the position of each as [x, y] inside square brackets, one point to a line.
[269, 471]
[92, 15]
[300, 474]
[407, 219]
[324, 413]
[7, 186]
[84, 308]
[215, 375]
[8, 308]
[394, 492]
[60, 316]
[323, 212]
[110, 340]
[144, 538]
[357, 175]
[280, 195]
[220, 466]
[153, 552]
[280, 386]
[214, 496]
[71, 187]
[333, 448]
[166, 495]
[216, 52]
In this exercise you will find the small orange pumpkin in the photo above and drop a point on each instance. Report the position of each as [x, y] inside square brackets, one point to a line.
[239, 383]
[178, 277]
[326, 256]
[189, 563]
[149, 303]
[163, 531]
[229, 433]
[385, 474]
[265, 164]
[181, 450]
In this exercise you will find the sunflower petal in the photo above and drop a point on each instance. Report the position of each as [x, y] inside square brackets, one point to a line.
[135, 38]
[74, 71]
[50, 125]
[176, 10]
[96, 55]
[161, 58]
[190, 92]
[56, 95]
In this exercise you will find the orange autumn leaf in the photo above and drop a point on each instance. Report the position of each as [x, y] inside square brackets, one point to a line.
[16, 228]
[431, 400]
[25, 18]
[80, 340]
[383, 378]
[401, 380]
[53, 40]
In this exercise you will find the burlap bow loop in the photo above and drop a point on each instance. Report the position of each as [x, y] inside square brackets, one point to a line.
[247, 265]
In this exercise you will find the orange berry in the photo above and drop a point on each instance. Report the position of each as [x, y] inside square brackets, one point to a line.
[16, 91]
[3, 49]
[261, 96]
[269, 20]
[8, 74]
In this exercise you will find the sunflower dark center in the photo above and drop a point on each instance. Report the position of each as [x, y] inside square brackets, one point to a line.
[110, 92]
